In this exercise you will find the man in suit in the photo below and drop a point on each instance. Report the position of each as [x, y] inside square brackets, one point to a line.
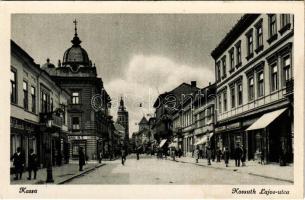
[18, 162]
[81, 159]
[32, 164]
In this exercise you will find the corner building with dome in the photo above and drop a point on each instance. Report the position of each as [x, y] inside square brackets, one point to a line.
[90, 124]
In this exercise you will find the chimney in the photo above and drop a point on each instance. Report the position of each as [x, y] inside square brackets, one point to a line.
[193, 83]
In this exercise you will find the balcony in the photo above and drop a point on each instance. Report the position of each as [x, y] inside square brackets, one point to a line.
[50, 119]
[289, 87]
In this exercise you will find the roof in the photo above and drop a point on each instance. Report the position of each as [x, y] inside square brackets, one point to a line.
[143, 120]
[178, 92]
[234, 33]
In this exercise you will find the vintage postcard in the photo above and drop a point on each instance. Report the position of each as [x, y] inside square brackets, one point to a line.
[159, 100]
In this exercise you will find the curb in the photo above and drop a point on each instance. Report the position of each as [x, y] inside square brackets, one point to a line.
[80, 174]
[250, 173]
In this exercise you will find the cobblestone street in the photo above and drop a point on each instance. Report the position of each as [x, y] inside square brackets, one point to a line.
[150, 170]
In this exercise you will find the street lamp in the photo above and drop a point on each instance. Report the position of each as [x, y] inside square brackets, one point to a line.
[49, 155]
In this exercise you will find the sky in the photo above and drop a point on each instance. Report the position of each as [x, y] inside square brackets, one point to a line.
[138, 56]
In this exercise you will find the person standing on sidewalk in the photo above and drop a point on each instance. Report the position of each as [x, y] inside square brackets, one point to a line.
[196, 153]
[81, 159]
[226, 156]
[18, 162]
[123, 155]
[243, 157]
[237, 154]
[32, 164]
[209, 153]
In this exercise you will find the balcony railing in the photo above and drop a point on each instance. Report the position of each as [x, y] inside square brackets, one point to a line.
[52, 118]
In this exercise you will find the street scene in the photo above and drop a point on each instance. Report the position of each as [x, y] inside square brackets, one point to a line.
[152, 99]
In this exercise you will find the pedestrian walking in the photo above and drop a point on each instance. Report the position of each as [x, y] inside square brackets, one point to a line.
[209, 154]
[81, 159]
[138, 153]
[243, 157]
[174, 154]
[32, 164]
[262, 156]
[226, 156]
[196, 154]
[179, 152]
[237, 155]
[123, 155]
[100, 157]
[218, 154]
[18, 162]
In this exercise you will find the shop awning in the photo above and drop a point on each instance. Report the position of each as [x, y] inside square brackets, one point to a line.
[162, 143]
[266, 119]
[204, 139]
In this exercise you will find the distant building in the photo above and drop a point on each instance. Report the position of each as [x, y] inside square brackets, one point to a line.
[167, 105]
[254, 81]
[123, 120]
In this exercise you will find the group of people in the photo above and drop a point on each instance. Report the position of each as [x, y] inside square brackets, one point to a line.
[239, 155]
[19, 164]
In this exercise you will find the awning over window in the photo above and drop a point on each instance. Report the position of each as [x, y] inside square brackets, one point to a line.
[266, 119]
[204, 139]
[162, 143]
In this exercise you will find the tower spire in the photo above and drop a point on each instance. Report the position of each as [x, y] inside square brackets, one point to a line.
[75, 29]
[76, 41]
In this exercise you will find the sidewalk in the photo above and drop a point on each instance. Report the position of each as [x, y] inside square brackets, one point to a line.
[274, 171]
[61, 174]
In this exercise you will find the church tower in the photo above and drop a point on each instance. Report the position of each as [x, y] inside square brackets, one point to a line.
[123, 120]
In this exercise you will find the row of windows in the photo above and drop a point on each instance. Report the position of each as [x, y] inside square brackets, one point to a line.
[46, 101]
[236, 89]
[285, 20]
[205, 117]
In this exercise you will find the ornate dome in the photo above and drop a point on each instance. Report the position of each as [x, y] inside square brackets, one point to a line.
[76, 55]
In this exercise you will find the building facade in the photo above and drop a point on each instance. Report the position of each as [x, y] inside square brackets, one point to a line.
[254, 81]
[89, 120]
[38, 110]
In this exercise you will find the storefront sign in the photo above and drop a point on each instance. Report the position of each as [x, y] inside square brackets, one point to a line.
[234, 125]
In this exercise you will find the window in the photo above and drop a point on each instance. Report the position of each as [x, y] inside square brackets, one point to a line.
[238, 54]
[44, 102]
[75, 123]
[250, 44]
[224, 67]
[233, 96]
[286, 69]
[274, 77]
[231, 59]
[272, 25]
[33, 95]
[25, 95]
[259, 37]
[51, 105]
[240, 93]
[285, 20]
[218, 71]
[225, 102]
[13, 87]
[260, 89]
[251, 88]
[219, 103]
[75, 98]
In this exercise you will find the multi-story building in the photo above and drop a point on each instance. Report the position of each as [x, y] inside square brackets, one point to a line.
[167, 105]
[38, 109]
[89, 120]
[123, 120]
[254, 80]
[204, 120]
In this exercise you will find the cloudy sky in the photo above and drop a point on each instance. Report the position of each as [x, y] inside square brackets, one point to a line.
[138, 56]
